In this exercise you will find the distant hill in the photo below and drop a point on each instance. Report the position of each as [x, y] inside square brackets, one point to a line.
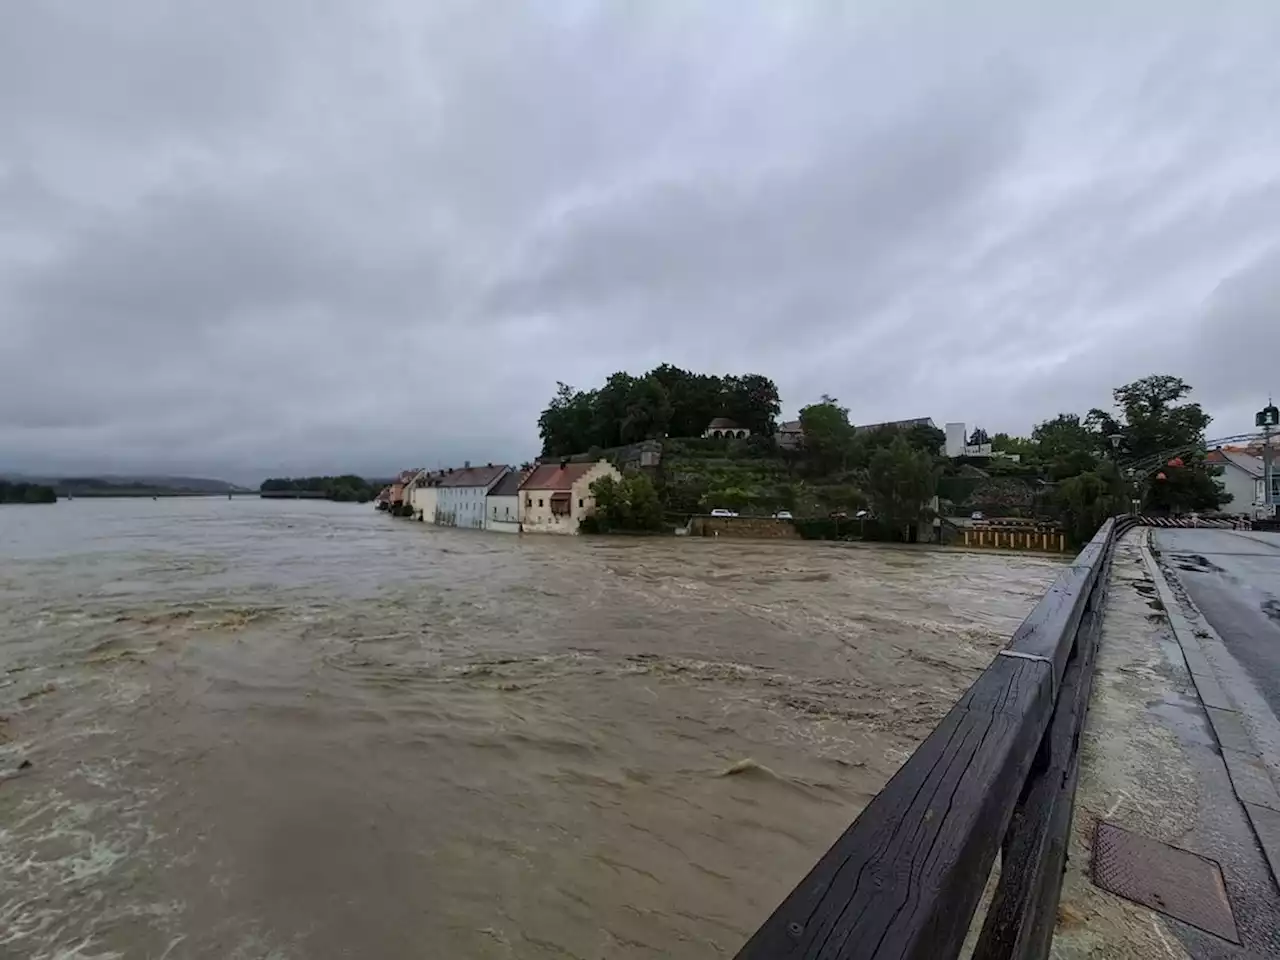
[116, 485]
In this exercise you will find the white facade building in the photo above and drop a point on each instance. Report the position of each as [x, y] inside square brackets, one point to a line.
[461, 495]
[958, 444]
[724, 428]
[423, 495]
[1242, 480]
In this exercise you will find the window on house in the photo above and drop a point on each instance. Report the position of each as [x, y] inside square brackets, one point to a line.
[539, 501]
[528, 501]
[579, 501]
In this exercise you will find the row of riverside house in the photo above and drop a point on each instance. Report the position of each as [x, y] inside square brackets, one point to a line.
[547, 498]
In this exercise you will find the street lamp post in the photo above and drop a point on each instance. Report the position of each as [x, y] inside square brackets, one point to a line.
[1115, 439]
[1267, 418]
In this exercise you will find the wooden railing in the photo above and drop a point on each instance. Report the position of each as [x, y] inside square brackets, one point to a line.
[998, 774]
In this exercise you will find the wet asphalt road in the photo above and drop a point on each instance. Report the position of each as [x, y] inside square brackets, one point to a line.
[1234, 578]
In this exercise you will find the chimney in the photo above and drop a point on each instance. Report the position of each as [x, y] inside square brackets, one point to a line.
[466, 464]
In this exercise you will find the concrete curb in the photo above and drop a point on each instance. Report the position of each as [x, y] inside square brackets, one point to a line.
[1249, 777]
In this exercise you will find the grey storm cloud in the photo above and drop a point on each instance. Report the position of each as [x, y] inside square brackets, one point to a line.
[290, 236]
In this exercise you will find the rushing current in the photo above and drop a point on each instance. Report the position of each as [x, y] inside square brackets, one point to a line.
[256, 729]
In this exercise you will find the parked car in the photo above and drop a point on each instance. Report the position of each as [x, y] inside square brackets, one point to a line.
[783, 515]
[838, 515]
[977, 515]
[722, 512]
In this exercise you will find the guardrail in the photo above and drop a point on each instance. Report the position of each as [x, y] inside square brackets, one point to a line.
[997, 774]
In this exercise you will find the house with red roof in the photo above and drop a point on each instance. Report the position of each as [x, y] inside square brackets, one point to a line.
[556, 496]
[397, 494]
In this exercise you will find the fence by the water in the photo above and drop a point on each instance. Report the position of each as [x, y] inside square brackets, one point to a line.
[1014, 536]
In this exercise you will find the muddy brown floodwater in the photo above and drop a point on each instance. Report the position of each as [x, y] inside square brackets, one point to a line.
[265, 729]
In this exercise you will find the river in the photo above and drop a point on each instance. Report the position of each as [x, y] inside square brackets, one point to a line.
[302, 729]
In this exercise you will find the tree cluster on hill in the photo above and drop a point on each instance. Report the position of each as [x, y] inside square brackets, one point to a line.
[346, 488]
[894, 470]
[832, 443]
[23, 492]
[1079, 468]
[665, 402]
[1149, 447]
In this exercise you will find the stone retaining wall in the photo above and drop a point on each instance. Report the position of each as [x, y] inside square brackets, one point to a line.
[756, 528]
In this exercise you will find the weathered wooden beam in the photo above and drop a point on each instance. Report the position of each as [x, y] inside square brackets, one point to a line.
[1049, 630]
[904, 880]
[1019, 923]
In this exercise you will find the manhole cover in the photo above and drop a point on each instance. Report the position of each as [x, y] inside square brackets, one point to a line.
[1177, 883]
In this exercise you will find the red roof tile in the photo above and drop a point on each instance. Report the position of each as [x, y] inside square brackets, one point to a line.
[552, 476]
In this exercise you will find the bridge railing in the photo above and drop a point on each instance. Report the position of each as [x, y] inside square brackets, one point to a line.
[996, 775]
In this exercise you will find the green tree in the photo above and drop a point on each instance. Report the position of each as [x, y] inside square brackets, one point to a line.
[627, 503]
[567, 424]
[1071, 464]
[978, 437]
[752, 401]
[924, 438]
[1187, 484]
[827, 434]
[1153, 420]
[611, 406]
[346, 488]
[900, 482]
[666, 401]
[1068, 446]
[1162, 440]
[1024, 447]
[23, 492]
[696, 399]
[1065, 434]
[648, 411]
[727, 498]
[646, 506]
[1086, 501]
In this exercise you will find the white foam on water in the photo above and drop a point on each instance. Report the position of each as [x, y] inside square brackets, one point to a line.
[56, 847]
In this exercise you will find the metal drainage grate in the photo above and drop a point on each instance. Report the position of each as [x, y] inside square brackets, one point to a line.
[1175, 882]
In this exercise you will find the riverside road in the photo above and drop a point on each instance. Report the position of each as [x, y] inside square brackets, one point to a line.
[1234, 578]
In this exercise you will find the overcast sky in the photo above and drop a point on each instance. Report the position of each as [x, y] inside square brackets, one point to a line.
[265, 236]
